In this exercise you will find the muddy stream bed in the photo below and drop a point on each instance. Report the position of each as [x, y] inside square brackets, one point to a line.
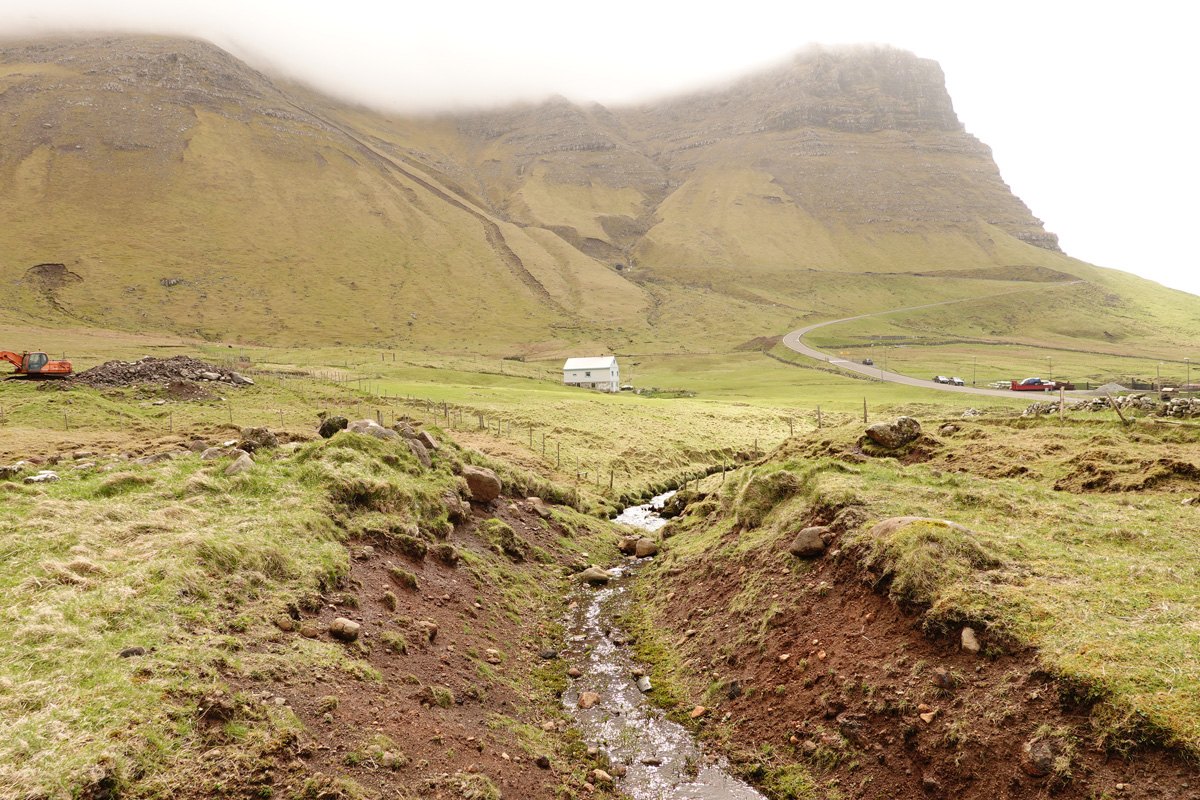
[659, 758]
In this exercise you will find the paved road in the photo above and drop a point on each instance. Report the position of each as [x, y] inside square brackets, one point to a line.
[793, 341]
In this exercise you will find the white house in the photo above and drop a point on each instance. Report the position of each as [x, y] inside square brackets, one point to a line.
[593, 373]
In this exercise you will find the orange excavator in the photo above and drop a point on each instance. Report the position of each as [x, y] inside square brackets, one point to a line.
[36, 365]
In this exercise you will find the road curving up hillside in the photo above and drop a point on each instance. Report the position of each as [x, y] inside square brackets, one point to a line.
[794, 341]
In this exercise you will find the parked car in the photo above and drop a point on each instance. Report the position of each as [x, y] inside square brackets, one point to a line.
[957, 382]
[868, 362]
[940, 379]
[1040, 385]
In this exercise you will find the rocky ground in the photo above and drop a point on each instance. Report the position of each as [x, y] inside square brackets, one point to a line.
[467, 677]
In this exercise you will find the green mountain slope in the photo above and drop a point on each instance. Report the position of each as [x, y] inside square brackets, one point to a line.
[160, 184]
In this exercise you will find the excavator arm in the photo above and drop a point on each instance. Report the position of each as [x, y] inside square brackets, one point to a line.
[36, 364]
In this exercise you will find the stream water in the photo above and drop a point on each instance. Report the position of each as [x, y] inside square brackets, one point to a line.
[661, 758]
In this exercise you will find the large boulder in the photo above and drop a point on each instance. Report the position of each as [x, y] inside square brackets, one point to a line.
[370, 427]
[420, 452]
[344, 629]
[331, 425]
[896, 433]
[484, 484]
[645, 547]
[808, 542]
[456, 511]
[240, 465]
[257, 439]
[426, 438]
[628, 545]
[594, 575]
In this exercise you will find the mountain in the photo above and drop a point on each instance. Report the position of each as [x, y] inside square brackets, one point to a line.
[160, 184]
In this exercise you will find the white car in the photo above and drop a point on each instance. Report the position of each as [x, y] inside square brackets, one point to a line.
[957, 382]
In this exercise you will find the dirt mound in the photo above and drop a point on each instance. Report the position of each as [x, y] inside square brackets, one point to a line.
[1091, 474]
[165, 371]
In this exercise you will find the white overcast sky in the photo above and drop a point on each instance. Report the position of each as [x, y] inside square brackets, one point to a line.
[1089, 106]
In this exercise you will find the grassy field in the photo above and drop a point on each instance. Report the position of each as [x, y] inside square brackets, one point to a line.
[1098, 575]
[728, 405]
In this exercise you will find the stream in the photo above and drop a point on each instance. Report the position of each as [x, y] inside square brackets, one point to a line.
[661, 759]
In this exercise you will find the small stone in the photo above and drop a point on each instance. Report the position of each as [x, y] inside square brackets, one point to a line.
[130, 652]
[492, 656]
[285, 624]
[821, 655]
[547, 726]
[929, 716]
[637, 672]
[543, 762]
[574, 672]
[652, 761]
[1037, 757]
[970, 643]
[698, 712]
[588, 699]
[310, 631]
[619, 771]
[548, 655]
[600, 776]
[784, 656]
[643, 684]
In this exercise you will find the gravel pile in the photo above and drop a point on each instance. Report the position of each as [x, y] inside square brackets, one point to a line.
[158, 370]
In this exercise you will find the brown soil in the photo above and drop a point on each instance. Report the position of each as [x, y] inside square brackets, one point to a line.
[858, 673]
[472, 735]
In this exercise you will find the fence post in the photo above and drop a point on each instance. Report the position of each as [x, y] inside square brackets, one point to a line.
[791, 427]
[558, 455]
[864, 409]
[818, 418]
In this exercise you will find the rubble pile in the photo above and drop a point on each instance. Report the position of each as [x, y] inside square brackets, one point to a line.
[1180, 407]
[163, 371]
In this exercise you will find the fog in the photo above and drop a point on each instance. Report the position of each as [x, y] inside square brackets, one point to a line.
[1088, 113]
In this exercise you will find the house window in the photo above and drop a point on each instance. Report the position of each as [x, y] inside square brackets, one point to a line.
[587, 374]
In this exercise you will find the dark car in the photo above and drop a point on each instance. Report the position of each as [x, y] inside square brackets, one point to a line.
[941, 379]
[868, 362]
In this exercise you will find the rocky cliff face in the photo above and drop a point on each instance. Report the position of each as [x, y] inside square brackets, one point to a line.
[135, 159]
[860, 137]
